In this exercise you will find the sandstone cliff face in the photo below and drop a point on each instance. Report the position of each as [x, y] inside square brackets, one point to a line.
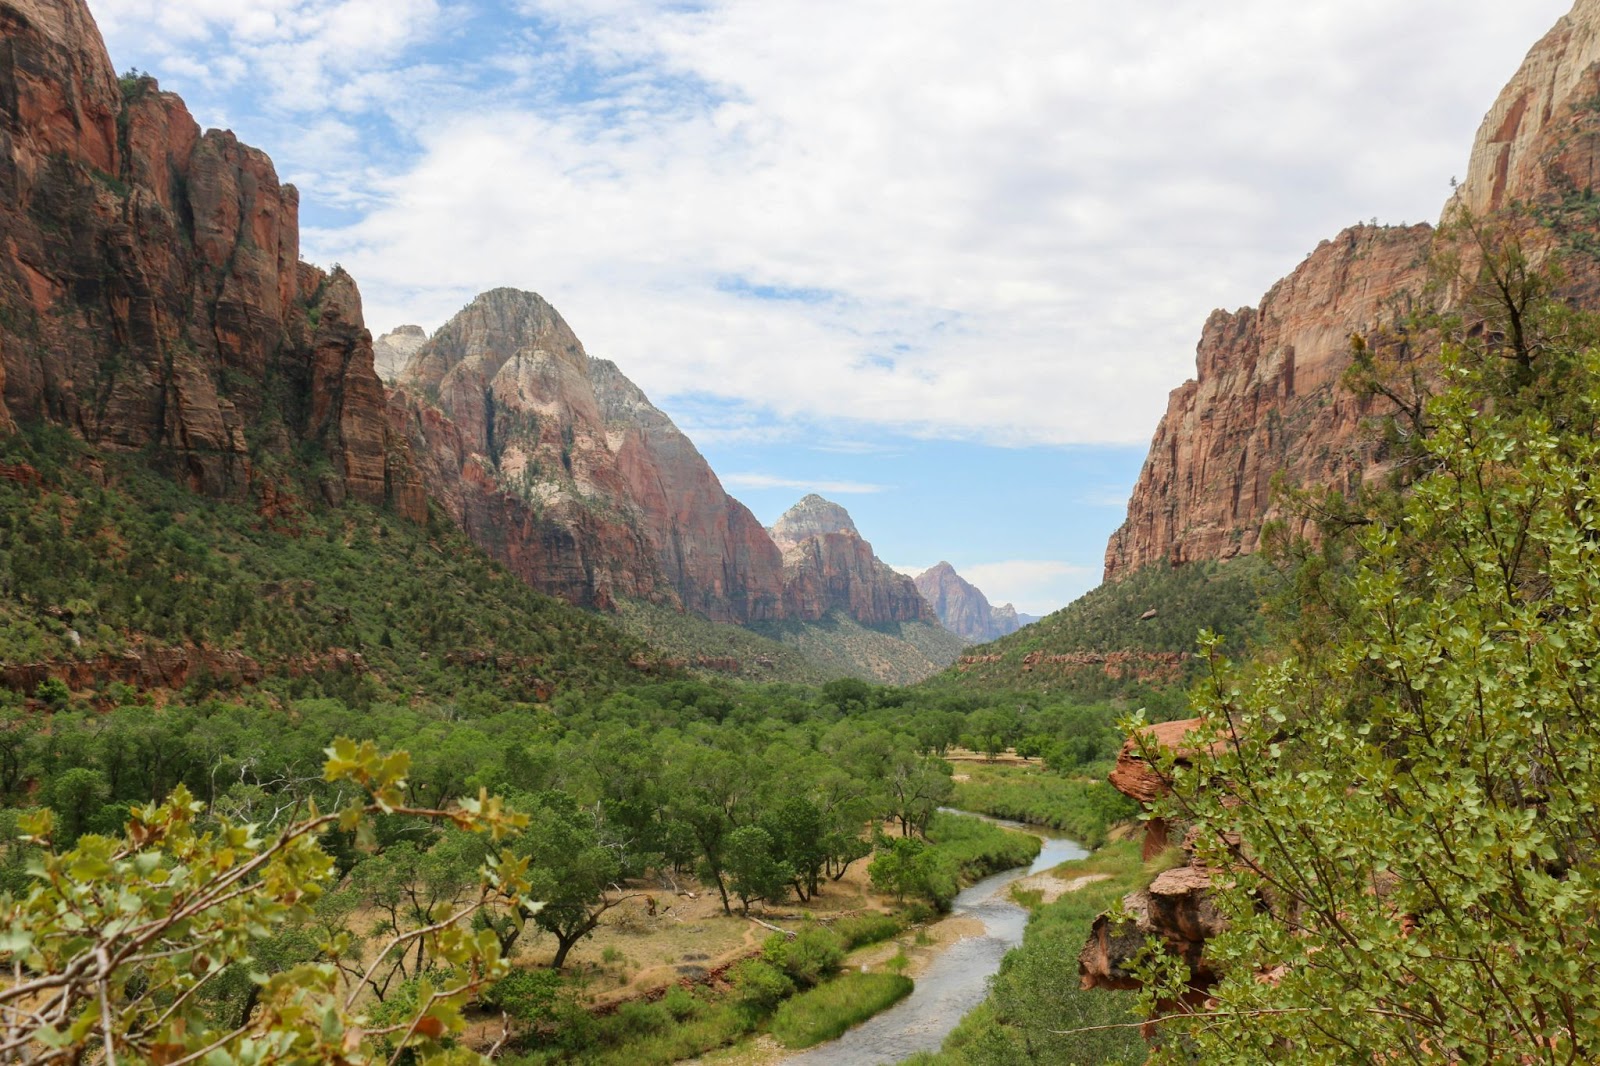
[963, 609]
[1265, 397]
[1525, 149]
[1267, 401]
[560, 467]
[151, 293]
[505, 427]
[828, 567]
[713, 551]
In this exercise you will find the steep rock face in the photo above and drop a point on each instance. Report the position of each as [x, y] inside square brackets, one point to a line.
[713, 550]
[1264, 399]
[827, 566]
[1267, 401]
[561, 467]
[1524, 149]
[962, 608]
[392, 351]
[151, 293]
[498, 409]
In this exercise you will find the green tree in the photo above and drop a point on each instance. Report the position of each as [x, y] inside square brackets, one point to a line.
[1408, 810]
[114, 942]
[754, 870]
[572, 871]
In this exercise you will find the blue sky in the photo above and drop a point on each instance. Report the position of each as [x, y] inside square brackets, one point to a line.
[940, 260]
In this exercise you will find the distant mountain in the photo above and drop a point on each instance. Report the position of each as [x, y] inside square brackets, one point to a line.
[827, 566]
[964, 610]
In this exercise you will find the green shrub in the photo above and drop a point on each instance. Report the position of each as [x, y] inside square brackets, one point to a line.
[680, 1003]
[828, 1010]
[814, 953]
[859, 930]
[760, 986]
[529, 996]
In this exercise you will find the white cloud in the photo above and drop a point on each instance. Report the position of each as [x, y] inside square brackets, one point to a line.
[991, 219]
[769, 481]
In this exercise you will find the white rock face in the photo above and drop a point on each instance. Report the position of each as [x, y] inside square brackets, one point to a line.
[392, 351]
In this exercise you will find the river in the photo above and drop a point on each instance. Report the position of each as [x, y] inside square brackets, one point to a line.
[958, 979]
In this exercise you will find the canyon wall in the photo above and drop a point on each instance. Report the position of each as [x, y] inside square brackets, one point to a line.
[1266, 399]
[151, 290]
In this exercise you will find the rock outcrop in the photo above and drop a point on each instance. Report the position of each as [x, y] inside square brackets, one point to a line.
[151, 290]
[1266, 400]
[963, 609]
[392, 352]
[827, 567]
[1176, 908]
[506, 430]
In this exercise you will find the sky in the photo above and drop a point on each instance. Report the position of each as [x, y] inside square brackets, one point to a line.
[938, 260]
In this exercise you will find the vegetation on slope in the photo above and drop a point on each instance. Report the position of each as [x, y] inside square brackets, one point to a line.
[1146, 667]
[716, 648]
[1084, 808]
[895, 653]
[101, 554]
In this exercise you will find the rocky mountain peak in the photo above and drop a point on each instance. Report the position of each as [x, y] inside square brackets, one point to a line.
[1266, 400]
[813, 516]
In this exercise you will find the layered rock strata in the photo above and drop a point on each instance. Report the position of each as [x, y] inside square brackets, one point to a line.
[561, 467]
[1176, 908]
[1267, 403]
[151, 290]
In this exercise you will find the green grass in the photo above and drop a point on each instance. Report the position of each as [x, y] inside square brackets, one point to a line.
[1083, 808]
[828, 1010]
[978, 848]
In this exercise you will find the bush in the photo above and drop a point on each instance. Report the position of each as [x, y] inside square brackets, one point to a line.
[861, 929]
[529, 996]
[680, 1003]
[828, 1010]
[814, 953]
[759, 986]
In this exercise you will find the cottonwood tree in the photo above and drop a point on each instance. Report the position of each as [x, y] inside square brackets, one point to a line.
[112, 947]
[1407, 809]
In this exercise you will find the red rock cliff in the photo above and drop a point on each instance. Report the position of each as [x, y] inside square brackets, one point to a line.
[827, 566]
[1265, 397]
[1266, 400]
[151, 289]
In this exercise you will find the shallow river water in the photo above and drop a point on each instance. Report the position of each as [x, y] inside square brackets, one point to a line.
[958, 979]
